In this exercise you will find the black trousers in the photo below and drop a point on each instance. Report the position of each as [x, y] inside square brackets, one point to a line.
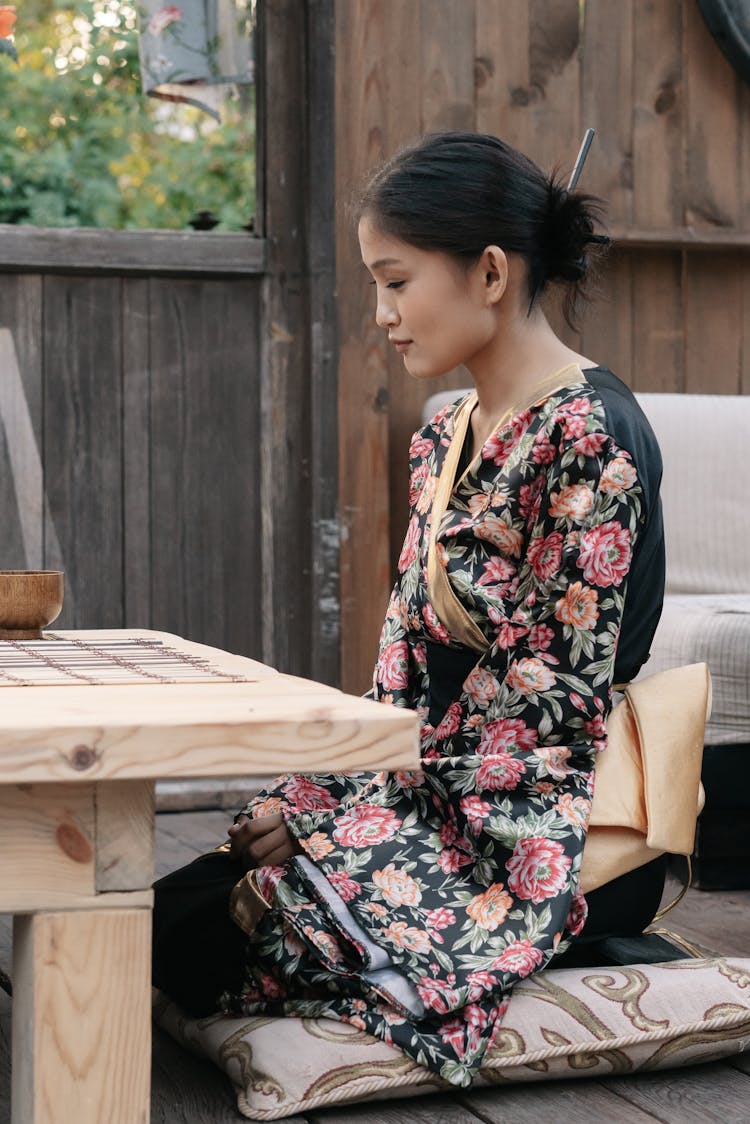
[198, 951]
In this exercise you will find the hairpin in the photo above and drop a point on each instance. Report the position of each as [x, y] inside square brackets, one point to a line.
[583, 152]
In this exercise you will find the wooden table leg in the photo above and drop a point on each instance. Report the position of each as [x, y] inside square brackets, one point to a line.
[81, 1017]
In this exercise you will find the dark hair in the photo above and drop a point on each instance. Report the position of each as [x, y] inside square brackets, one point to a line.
[460, 192]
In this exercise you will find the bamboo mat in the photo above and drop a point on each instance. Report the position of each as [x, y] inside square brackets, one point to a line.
[61, 661]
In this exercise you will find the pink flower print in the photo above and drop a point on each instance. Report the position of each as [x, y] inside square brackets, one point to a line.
[480, 983]
[420, 447]
[344, 885]
[540, 637]
[579, 607]
[578, 406]
[596, 727]
[556, 758]
[519, 957]
[590, 444]
[497, 446]
[537, 869]
[507, 635]
[317, 846]
[529, 676]
[365, 825]
[529, 495]
[453, 1034]
[427, 495]
[475, 809]
[497, 571]
[439, 995]
[450, 860]
[417, 482]
[449, 723]
[162, 18]
[435, 627]
[618, 476]
[271, 988]
[545, 555]
[267, 879]
[307, 796]
[605, 554]
[408, 778]
[544, 452]
[578, 914]
[481, 685]
[411, 542]
[393, 666]
[498, 771]
[440, 918]
[574, 427]
[506, 734]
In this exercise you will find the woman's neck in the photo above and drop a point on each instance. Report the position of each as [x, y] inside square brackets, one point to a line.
[522, 356]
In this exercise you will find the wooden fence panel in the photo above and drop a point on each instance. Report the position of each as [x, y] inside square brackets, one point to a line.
[136, 462]
[83, 446]
[21, 475]
[205, 504]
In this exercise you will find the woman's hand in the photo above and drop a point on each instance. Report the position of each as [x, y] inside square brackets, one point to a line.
[265, 841]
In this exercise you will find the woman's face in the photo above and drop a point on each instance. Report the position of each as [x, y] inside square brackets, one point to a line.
[436, 313]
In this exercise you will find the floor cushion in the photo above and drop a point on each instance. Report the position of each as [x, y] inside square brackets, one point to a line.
[566, 1022]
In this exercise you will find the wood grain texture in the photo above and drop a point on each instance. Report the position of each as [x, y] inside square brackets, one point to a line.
[713, 311]
[124, 827]
[607, 60]
[504, 95]
[22, 480]
[320, 205]
[658, 322]
[47, 840]
[205, 518]
[553, 1100]
[711, 185]
[82, 1018]
[136, 466]
[706, 1094]
[130, 251]
[83, 445]
[284, 470]
[608, 327]
[658, 107]
[364, 35]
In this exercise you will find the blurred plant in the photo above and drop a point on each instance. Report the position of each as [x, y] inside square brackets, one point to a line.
[7, 20]
[81, 146]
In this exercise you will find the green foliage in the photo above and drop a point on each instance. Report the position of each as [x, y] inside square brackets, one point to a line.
[81, 146]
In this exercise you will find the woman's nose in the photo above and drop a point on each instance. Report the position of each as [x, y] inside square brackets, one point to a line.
[386, 314]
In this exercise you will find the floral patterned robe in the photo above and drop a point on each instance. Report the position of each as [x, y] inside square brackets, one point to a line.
[434, 892]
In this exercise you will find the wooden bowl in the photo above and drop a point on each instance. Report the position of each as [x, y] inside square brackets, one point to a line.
[29, 601]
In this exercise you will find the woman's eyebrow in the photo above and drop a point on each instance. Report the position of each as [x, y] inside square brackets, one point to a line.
[384, 261]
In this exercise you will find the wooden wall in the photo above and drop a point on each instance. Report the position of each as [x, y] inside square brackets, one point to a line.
[129, 449]
[671, 157]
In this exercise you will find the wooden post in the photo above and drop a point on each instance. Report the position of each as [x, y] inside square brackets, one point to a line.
[81, 1017]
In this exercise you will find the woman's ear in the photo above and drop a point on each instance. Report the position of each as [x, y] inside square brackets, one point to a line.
[494, 270]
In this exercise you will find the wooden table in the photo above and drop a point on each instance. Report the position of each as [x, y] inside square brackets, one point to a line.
[78, 765]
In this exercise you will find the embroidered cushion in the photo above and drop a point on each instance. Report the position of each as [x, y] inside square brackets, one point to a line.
[571, 1022]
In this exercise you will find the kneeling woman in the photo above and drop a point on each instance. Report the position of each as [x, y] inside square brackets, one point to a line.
[530, 581]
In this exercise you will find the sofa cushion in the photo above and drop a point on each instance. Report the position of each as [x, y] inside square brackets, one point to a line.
[567, 1022]
[714, 628]
[703, 440]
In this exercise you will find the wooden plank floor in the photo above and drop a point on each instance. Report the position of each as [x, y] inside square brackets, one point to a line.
[188, 1091]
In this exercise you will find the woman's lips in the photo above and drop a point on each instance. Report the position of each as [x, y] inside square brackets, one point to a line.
[401, 345]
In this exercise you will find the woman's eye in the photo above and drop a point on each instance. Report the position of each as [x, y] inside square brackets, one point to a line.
[394, 284]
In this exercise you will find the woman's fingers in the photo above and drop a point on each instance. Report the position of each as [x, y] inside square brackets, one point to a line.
[261, 842]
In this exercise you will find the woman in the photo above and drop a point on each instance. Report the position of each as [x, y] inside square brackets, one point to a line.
[529, 583]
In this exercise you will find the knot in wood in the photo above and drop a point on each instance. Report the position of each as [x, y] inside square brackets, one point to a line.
[73, 843]
[83, 757]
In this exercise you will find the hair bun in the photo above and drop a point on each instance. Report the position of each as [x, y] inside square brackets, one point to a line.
[568, 233]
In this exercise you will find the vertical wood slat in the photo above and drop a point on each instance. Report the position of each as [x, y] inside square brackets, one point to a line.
[285, 482]
[713, 311]
[83, 446]
[21, 467]
[321, 225]
[205, 564]
[362, 48]
[658, 115]
[136, 466]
